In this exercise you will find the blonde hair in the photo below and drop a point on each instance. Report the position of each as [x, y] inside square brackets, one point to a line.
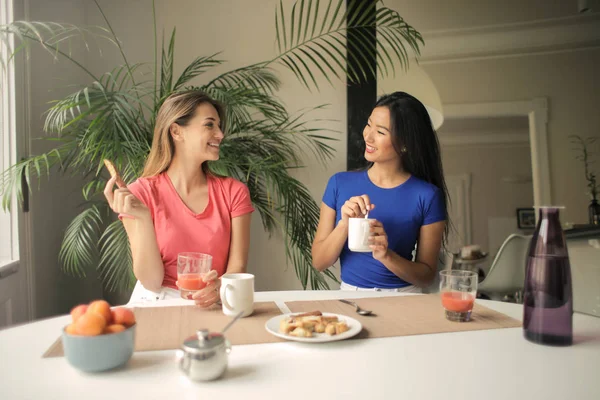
[178, 108]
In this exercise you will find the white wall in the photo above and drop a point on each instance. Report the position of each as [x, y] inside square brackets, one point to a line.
[491, 196]
[566, 79]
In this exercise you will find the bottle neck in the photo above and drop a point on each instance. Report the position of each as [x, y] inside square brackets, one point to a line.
[548, 238]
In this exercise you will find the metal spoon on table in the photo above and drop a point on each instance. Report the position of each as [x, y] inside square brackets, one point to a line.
[359, 310]
[232, 321]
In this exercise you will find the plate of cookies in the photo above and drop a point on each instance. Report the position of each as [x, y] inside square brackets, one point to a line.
[313, 327]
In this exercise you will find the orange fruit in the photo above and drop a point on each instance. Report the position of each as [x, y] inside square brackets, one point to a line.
[78, 311]
[71, 330]
[103, 308]
[114, 328]
[123, 316]
[90, 324]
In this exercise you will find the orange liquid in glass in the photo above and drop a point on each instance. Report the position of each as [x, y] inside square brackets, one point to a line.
[189, 284]
[458, 301]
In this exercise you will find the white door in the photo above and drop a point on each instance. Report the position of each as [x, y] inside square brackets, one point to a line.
[459, 191]
[15, 288]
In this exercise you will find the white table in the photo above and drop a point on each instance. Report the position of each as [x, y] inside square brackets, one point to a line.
[491, 364]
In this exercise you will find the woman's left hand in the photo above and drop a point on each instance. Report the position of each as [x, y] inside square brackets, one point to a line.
[378, 240]
[210, 294]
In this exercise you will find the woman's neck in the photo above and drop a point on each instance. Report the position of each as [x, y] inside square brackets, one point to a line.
[186, 176]
[387, 175]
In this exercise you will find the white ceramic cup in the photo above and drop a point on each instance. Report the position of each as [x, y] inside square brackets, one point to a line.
[237, 294]
[358, 234]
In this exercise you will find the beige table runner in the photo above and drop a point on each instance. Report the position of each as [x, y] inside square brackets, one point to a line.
[165, 328]
[407, 315]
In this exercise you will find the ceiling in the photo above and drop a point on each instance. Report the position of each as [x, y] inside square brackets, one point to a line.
[436, 15]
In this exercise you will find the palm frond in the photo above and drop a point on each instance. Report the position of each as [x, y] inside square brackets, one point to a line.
[115, 266]
[304, 49]
[299, 233]
[56, 38]
[285, 140]
[121, 77]
[262, 155]
[37, 166]
[105, 124]
[290, 199]
[166, 71]
[251, 77]
[53, 36]
[196, 67]
[242, 105]
[79, 248]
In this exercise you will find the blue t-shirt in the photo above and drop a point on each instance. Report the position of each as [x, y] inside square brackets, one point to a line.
[402, 210]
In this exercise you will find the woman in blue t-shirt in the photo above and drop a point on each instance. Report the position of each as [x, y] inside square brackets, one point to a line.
[403, 189]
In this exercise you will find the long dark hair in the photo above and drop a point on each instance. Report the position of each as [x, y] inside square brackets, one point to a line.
[417, 143]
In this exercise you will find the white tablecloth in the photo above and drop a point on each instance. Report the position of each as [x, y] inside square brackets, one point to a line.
[492, 364]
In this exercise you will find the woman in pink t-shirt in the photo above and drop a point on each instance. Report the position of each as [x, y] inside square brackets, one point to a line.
[179, 206]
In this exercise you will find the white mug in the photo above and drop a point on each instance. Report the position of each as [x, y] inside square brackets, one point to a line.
[237, 294]
[358, 234]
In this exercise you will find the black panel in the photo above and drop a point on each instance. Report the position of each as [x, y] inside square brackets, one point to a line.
[360, 97]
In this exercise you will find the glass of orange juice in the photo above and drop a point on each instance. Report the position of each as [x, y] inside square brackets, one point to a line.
[458, 289]
[191, 268]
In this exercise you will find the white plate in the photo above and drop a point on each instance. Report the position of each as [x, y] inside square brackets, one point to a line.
[272, 326]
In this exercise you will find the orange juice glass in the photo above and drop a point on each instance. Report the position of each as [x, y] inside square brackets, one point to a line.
[458, 290]
[191, 268]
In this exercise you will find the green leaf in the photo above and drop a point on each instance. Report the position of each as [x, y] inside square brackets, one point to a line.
[116, 267]
[197, 67]
[392, 32]
[166, 72]
[79, 247]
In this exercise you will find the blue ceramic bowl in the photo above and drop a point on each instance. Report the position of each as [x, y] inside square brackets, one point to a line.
[99, 353]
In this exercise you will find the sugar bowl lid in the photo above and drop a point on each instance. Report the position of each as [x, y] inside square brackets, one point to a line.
[203, 341]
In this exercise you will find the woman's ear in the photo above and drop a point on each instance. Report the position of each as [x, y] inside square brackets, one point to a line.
[176, 132]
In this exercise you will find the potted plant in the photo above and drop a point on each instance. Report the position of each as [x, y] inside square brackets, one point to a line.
[586, 157]
[112, 118]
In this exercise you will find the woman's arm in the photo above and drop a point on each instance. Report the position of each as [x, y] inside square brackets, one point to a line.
[420, 272]
[240, 243]
[329, 239]
[148, 267]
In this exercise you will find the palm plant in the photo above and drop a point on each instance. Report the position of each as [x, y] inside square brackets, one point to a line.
[586, 156]
[112, 117]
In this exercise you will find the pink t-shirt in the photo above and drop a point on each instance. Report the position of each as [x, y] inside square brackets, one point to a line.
[178, 229]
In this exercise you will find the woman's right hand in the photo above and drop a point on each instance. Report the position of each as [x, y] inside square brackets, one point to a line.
[356, 207]
[122, 201]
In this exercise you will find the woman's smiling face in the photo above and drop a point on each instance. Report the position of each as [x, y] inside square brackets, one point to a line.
[378, 137]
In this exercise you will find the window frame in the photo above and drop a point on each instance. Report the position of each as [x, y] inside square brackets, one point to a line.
[9, 227]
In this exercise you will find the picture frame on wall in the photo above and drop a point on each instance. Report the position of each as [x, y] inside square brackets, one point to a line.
[526, 218]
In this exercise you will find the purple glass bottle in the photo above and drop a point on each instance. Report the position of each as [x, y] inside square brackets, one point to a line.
[548, 294]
